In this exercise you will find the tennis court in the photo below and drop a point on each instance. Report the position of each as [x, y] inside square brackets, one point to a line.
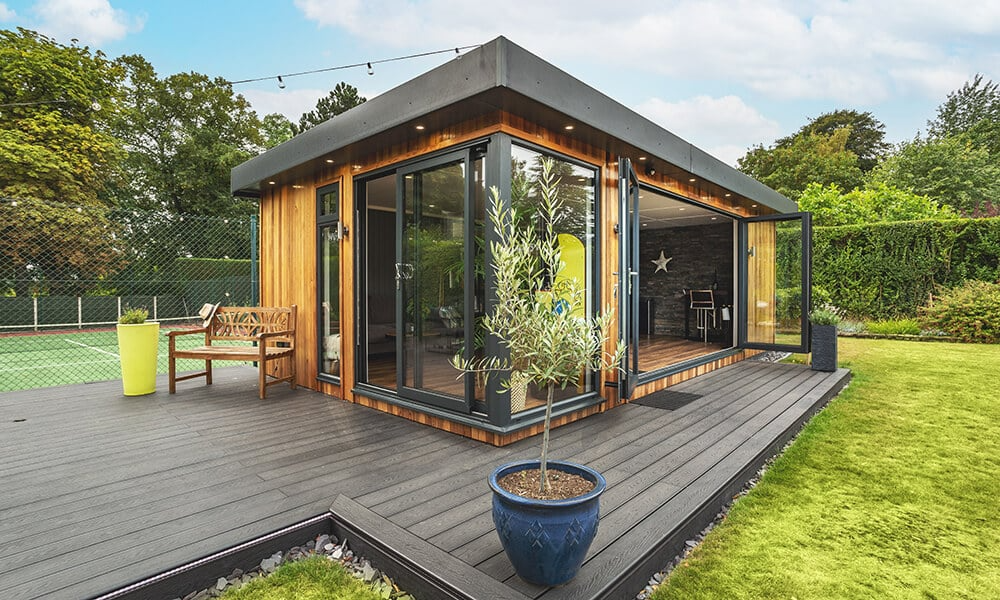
[35, 360]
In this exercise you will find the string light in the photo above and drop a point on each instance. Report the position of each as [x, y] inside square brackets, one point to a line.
[370, 65]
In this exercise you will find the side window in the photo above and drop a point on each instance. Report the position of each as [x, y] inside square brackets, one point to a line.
[328, 225]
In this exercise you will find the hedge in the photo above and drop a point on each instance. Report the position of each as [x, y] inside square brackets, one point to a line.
[887, 270]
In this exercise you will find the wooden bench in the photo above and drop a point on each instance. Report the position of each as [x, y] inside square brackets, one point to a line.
[273, 329]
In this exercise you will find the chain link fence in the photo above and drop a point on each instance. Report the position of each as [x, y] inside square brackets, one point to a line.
[67, 273]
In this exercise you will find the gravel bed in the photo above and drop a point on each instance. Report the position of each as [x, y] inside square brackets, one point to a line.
[324, 545]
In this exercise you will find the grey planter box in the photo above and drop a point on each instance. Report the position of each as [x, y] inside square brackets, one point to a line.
[824, 347]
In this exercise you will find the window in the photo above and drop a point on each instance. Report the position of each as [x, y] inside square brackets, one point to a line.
[329, 230]
[574, 226]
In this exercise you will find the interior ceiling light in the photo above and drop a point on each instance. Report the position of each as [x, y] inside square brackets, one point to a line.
[728, 195]
[272, 182]
[692, 180]
[568, 128]
[753, 206]
[642, 158]
[420, 127]
[329, 160]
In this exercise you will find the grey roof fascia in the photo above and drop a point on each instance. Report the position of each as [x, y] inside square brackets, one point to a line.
[460, 78]
[537, 79]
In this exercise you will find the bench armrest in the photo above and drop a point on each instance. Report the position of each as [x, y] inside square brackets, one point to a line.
[177, 332]
[271, 334]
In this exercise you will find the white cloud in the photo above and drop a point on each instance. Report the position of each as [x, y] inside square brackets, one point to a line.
[6, 14]
[288, 102]
[854, 52]
[90, 21]
[724, 127]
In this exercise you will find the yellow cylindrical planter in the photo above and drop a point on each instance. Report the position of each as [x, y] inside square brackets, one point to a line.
[138, 346]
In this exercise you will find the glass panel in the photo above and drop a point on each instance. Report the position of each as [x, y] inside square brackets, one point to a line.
[575, 226]
[774, 282]
[329, 202]
[479, 266]
[432, 272]
[380, 282]
[686, 274]
[330, 299]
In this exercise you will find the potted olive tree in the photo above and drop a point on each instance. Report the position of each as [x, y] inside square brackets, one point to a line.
[138, 347]
[823, 340]
[545, 511]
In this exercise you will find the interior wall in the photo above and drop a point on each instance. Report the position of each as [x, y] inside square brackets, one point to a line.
[701, 258]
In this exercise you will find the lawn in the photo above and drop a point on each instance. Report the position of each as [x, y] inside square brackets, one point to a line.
[315, 578]
[891, 492]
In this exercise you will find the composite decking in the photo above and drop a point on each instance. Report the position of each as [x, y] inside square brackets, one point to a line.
[98, 490]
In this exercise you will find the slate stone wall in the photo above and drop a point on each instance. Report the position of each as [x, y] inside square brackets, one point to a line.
[702, 256]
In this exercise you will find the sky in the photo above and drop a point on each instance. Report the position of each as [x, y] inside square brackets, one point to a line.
[724, 75]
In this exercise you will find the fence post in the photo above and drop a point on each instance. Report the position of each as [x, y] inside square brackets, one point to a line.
[154, 308]
[254, 291]
[79, 312]
[119, 308]
[34, 302]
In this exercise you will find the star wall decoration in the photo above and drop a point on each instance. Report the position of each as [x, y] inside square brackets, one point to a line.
[661, 263]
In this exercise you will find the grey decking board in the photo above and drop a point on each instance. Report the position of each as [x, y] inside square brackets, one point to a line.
[615, 558]
[229, 417]
[629, 500]
[461, 576]
[456, 528]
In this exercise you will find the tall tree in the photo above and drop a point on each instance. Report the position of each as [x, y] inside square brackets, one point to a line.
[343, 98]
[183, 134]
[866, 137]
[973, 112]
[55, 156]
[792, 163]
[275, 129]
[878, 203]
[949, 170]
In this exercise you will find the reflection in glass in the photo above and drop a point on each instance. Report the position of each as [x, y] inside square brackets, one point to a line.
[329, 240]
[574, 225]
[432, 272]
[774, 276]
[380, 283]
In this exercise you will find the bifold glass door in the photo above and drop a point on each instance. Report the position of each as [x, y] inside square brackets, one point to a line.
[776, 267]
[628, 275]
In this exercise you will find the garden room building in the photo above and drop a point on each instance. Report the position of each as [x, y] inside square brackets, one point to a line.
[374, 224]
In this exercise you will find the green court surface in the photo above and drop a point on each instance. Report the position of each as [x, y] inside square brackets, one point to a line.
[29, 361]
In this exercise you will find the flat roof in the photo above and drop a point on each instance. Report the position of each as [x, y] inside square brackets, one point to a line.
[498, 66]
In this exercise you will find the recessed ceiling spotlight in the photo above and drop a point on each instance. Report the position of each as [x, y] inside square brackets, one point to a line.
[682, 208]
[642, 158]
[272, 182]
[728, 195]
[420, 127]
[692, 180]
[568, 128]
[298, 187]
[329, 160]
[753, 206]
[357, 167]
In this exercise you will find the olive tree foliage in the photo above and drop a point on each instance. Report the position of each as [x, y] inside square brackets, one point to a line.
[183, 134]
[343, 98]
[56, 156]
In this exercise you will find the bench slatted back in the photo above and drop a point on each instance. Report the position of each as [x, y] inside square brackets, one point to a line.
[243, 323]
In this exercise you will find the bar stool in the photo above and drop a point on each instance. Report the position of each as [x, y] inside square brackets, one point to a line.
[703, 303]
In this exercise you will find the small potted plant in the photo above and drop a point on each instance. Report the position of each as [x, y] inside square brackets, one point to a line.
[138, 347]
[545, 512]
[823, 339]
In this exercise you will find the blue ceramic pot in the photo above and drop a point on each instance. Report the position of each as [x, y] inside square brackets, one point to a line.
[546, 540]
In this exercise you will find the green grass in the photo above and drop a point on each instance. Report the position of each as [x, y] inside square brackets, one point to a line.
[891, 492]
[314, 578]
[66, 357]
[894, 327]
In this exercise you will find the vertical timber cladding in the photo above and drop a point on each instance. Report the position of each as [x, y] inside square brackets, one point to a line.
[762, 318]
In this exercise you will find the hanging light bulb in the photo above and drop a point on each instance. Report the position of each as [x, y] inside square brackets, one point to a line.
[281, 82]
[371, 70]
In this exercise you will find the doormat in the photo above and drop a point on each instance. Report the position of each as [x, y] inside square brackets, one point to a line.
[667, 399]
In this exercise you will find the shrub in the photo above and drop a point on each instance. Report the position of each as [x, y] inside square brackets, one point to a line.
[824, 316]
[970, 312]
[894, 327]
[133, 316]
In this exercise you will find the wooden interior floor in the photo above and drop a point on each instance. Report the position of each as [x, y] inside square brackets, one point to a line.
[100, 490]
[659, 351]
